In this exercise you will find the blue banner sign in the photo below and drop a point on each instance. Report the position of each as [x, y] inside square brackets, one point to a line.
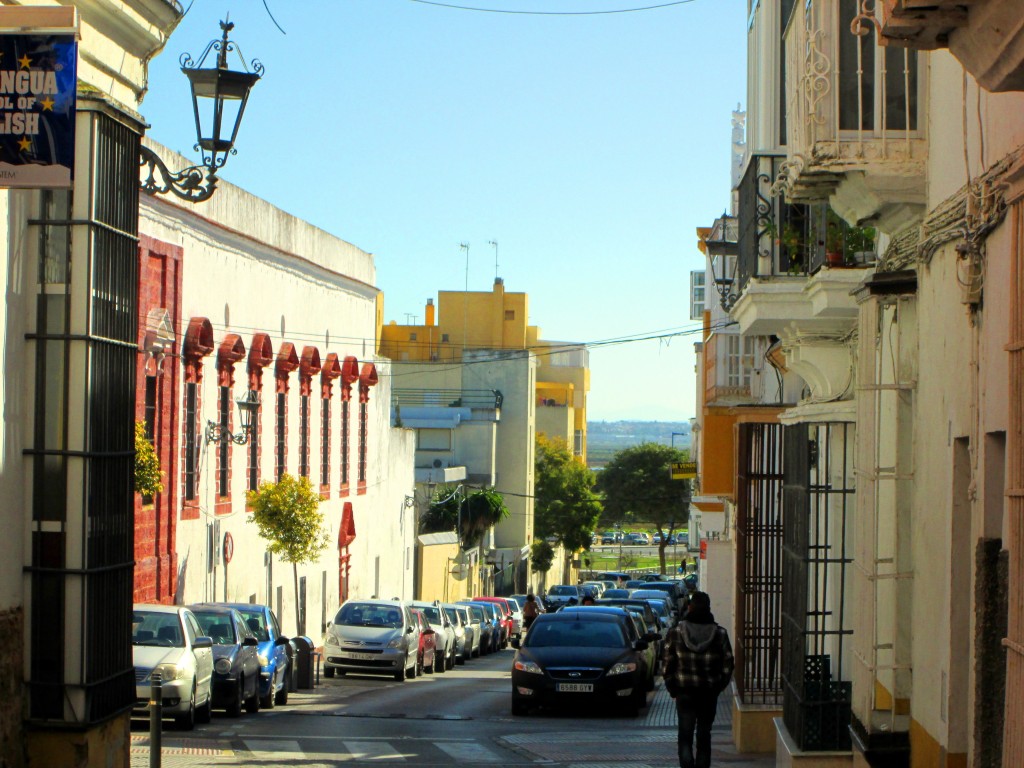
[37, 109]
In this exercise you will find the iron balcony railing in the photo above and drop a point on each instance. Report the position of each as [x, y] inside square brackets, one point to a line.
[447, 398]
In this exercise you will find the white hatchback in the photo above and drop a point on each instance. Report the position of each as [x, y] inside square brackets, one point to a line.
[167, 639]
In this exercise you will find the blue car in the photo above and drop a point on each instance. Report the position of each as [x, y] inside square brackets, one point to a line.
[275, 660]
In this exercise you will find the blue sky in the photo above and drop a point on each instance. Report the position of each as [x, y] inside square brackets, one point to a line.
[589, 147]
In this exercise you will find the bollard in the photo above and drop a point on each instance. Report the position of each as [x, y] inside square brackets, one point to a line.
[156, 714]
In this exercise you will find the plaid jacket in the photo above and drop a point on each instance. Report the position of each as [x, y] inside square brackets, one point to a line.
[697, 656]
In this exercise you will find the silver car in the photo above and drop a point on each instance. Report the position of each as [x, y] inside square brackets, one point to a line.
[444, 656]
[378, 637]
[463, 631]
[167, 639]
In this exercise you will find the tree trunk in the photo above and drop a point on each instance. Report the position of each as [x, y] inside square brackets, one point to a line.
[661, 552]
[295, 573]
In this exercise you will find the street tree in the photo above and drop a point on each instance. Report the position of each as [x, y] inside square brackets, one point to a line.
[148, 476]
[287, 514]
[565, 505]
[637, 486]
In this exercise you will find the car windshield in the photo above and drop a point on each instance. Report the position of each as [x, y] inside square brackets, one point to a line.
[478, 613]
[464, 615]
[257, 622]
[432, 614]
[217, 626]
[160, 629]
[453, 615]
[369, 615]
[658, 606]
[563, 590]
[575, 634]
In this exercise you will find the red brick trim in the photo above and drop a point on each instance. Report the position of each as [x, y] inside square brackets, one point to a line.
[287, 361]
[261, 354]
[367, 379]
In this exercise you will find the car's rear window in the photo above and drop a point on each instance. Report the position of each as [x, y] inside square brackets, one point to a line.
[563, 591]
[218, 626]
[433, 614]
[159, 629]
[575, 634]
[257, 622]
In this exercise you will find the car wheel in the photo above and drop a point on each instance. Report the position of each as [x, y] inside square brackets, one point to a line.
[267, 702]
[187, 720]
[439, 662]
[420, 665]
[252, 704]
[400, 675]
[328, 671]
[234, 709]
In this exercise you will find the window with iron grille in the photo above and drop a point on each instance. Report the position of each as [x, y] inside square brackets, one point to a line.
[190, 463]
[759, 563]
[325, 441]
[344, 443]
[150, 409]
[362, 442]
[304, 436]
[223, 452]
[282, 434]
[818, 503]
[254, 451]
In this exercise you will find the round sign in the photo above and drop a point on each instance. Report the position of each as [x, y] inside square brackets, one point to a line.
[229, 548]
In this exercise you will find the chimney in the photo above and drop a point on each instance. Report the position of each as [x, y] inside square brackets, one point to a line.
[429, 313]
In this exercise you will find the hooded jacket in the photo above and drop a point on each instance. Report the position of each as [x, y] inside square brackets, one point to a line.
[698, 655]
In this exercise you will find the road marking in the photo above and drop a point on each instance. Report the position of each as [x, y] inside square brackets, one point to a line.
[372, 750]
[274, 749]
[469, 752]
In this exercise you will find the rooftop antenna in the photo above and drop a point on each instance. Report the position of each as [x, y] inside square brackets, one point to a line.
[495, 244]
[465, 298]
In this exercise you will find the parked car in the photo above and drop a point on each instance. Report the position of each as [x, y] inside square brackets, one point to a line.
[168, 639]
[463, 631]
[482, 625]
[236, 661]
[427, 657]
[509, 609]
[560, 594]
[676, 594]
[275, 652]
[499, 638]
[609, 537]
[377, 637]
[635, 583]
[442, 626]
[578, 655]
[635, 539]
[599, 587]
[619, 577]
[621, 593]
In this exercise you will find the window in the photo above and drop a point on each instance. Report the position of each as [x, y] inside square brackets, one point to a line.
[304, 436]
[344, 444]
[412, 337]
[697, 287]
[190, 463]
[282, 433]
[362, 443]
[254, 451]
[150, 408]
[510, 314]
[325, 441]
[739, 360]
[433, 439]
[444, 338]
[224, 456]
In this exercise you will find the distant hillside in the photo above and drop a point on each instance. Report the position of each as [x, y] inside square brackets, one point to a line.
[605, 438]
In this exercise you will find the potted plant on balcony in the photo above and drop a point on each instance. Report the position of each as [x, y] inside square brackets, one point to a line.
[860, 245]
[835, 248]
[793, 241]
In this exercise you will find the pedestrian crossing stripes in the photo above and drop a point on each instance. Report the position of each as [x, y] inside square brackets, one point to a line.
[468, 752]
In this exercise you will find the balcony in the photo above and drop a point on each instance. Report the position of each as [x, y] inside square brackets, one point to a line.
[985, 35]
[443, 408]
[855, 118]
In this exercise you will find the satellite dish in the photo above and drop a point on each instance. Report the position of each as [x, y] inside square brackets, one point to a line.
[461, 568]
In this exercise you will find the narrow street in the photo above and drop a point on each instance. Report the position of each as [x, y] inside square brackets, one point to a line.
[460, 717]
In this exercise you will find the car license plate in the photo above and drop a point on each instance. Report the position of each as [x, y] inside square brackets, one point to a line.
[575, 687]
[361, 656]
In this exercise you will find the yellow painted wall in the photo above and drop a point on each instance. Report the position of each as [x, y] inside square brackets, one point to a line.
[104, 746]
[926, 752]
[717, 461]
[435, 578]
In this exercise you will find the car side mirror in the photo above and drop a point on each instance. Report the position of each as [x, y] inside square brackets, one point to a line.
[650, 637]
[640, 645]
[250, 642]
[282, 640]
[202, 641]
[515, 643]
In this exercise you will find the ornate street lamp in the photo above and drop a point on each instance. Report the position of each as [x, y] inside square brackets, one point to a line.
[723, 254]
[216, 93]
[247, 404]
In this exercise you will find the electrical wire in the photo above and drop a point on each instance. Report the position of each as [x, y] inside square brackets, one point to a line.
[454, 6]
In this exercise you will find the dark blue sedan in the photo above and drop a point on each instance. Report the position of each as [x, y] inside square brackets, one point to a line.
[275, 661]
[236, 665]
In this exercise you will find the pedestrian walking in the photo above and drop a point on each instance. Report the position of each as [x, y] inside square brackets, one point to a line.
[698, 664]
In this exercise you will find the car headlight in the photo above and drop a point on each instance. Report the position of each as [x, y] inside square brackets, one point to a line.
[395, 642]
[170, 672]
[331, 640]
[528, 666]
[622, 668]
[222, 666]
[264, 661]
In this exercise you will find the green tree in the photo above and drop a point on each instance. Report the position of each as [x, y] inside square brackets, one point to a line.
[148, 477]
[477, 511]
[565, 505]
[287, 514]
[637, 485]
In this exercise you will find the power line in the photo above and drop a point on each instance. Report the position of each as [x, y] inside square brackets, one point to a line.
[453, 6]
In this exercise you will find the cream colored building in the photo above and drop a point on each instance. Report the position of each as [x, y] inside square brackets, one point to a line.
[880, 242]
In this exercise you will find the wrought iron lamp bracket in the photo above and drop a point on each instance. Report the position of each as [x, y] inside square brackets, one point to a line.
[215, 433]
[194, 184]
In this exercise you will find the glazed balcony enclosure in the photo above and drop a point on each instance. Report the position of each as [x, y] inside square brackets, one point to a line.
[854, 116]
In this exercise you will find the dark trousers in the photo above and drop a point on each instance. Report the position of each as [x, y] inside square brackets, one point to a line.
[696, 711]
